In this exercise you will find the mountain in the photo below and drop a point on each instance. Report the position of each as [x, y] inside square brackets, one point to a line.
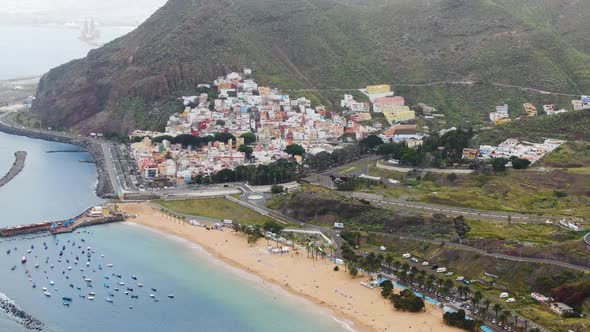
[319, 45]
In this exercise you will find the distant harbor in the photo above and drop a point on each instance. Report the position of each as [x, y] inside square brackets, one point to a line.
[17, 167]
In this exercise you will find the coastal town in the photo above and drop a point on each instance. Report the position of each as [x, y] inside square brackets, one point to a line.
[234, 125]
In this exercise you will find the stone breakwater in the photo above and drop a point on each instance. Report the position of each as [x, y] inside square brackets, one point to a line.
[23, 318]
[17, 167]
[104, 187]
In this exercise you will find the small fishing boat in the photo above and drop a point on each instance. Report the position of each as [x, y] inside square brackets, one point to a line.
[34, 285]
[92, 294]
[67, 304]
[139, 284]
[154, 290]
[51, 282]
[66, 298]
[109, 265]
[106, 285]
[37, 265]
[126, 293]
[29, 251]
[87, 279]
[121, 283]
[152, 296]
[134, 277]
[44, 288]
[90, 298]
[69, 267]
[13, 268]
[134, 296]
[171, 296]
[72, 285]
[81, 295]
[109, 300]
[23, 260]
[47, 293]
[116, 289]
[8, 252]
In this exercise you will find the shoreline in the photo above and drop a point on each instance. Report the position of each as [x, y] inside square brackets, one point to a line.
[312, 280]
[104, 187]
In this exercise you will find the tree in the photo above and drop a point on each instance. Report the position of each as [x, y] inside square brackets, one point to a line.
[354, 271]
[386, 288]
[476, 298]
[273, 227]
[246, 149]
[486, 303]
[519, 163]
[249, 138]
[497, 307]
[452, 177]
[461, 227]
[295, 150]
[277, 189]
[499, 164]
[458, 319]
[371, 141]
[406, 300]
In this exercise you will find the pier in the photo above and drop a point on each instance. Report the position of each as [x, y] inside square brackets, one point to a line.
[90, 217]
[17, 167]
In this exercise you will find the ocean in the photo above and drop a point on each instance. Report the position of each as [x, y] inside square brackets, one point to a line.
[33, 50]
[208, 294]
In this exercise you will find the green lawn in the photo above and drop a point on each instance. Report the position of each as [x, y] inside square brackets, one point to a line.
[218, 208]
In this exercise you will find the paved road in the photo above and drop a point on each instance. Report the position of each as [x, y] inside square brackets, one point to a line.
[106, 150]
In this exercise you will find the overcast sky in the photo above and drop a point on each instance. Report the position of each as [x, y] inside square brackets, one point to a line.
[124, 12]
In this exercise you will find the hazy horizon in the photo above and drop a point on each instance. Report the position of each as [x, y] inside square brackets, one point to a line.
[107, 12]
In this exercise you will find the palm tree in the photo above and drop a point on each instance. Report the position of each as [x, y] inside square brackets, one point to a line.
[486, 303]
[496, 308]
[476, 298]
[506, 314]
[388, 260]
[397, 265]
[502, 318]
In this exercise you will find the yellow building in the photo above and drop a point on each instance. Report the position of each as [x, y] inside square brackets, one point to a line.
[501, 121]
[530, 109]
[391, 108]
[399, 116]
[374, 89]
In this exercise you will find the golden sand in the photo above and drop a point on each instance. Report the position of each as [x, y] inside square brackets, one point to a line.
[315, 280]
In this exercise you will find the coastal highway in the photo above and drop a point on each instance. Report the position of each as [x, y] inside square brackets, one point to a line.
[110, 166]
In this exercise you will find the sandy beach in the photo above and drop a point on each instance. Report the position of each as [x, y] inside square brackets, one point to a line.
[313, 279]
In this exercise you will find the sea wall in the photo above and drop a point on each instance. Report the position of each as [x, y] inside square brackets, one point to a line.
[17, 167]
[104, 187]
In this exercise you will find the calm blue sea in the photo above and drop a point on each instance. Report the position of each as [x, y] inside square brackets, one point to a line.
[208, 295]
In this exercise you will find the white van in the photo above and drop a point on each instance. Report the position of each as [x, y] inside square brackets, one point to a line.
[441, 270]
[406, 256]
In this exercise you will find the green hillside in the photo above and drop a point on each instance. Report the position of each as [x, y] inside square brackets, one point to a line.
[322, 45]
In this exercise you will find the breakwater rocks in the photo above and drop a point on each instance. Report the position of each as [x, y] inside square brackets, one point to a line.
[29, 322]
[17, 167]
[104, 187]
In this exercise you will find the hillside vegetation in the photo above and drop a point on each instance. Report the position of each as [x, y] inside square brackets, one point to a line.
[321, 44]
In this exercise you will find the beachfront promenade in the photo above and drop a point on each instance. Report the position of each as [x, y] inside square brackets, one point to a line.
[17, 167]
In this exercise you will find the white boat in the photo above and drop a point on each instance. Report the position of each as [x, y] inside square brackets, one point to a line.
[44, 289]
[109, 265]
[139, 284]
[87, 279]
[152, 296]
[37, 265]
[90, 298]
[23, 260]
[47, 293]
[171, 296]
[69, 267]
[51, 282]
[121, 283]
[109, 300]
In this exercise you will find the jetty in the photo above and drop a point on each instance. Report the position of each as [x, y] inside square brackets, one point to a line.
[97, 215]
[17, 167]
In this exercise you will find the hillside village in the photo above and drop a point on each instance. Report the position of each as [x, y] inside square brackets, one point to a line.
[237, 122]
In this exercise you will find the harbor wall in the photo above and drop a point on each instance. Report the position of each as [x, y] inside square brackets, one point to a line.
[16, 168]
[104, 188]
